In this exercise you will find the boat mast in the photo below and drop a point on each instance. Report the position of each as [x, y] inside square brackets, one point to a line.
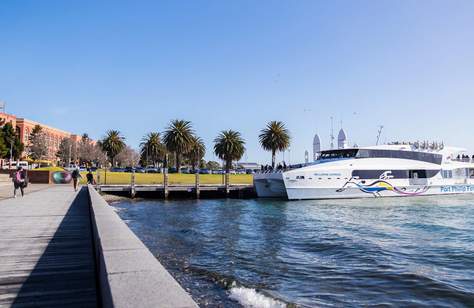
[332, 134]
[378, 134]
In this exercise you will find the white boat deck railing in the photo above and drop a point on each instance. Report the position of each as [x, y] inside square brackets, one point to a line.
[464, 159]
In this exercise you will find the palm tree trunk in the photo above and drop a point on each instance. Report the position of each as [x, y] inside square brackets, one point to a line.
[228, 165]
[178, 162]
[273, 159]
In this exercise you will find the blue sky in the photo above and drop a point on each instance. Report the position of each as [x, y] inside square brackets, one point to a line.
[89, 66]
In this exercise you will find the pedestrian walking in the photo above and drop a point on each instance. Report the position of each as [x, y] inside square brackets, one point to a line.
[76, 174]
[90, 178]
[19, 181]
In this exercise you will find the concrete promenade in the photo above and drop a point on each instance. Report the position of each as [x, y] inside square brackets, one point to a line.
[6, 189]
[59, 248]
[46, 250]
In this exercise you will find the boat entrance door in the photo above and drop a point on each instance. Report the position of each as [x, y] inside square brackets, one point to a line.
[417, 177]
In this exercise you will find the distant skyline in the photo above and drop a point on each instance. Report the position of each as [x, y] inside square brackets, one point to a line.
[90, 66]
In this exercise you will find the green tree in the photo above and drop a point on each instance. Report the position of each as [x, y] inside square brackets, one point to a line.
[85, 150]
[37, 130]
[112, 144]
[151, 149]
[197, 152]
[12, 141]
[229, 146]
[274, 137]
[37, 148]
[4, 146]
[178, 138]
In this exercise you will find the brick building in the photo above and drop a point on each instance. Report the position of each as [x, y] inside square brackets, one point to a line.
[24, 127]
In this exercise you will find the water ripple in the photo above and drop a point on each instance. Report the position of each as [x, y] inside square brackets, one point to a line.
[390, 252]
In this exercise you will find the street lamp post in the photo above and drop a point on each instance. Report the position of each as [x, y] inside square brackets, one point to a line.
[11, 153]
[289, 156]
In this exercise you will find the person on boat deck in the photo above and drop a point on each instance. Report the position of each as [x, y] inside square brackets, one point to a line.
[19, 181]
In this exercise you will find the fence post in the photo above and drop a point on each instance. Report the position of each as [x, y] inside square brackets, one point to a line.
[132, 186]
[165, 182]
[98, 179]
[198, 184]
[227, 183]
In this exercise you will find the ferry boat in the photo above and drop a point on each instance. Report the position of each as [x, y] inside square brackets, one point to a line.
[391, 170]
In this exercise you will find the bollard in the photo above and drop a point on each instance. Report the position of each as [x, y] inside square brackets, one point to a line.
[198, 191]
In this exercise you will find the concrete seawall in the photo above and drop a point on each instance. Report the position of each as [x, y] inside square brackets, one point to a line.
[128, 274]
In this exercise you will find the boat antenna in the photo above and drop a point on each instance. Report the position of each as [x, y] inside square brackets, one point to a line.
[378, 134]
[332, 134]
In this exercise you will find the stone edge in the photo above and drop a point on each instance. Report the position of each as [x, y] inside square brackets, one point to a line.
[128, 274]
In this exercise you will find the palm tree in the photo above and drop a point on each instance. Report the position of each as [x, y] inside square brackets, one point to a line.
[112, 144]
[197, 152]
[178, 139]
[151, 148]
[229, 146]
[274, 137]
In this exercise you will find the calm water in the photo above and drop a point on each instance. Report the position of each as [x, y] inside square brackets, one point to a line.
[376, 252]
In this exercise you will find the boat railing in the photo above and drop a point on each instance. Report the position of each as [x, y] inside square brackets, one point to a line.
[281, 169]
[269, 171]
[465, 159]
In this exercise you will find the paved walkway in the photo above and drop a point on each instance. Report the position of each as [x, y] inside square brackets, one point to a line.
[46, 254]
[6, 189]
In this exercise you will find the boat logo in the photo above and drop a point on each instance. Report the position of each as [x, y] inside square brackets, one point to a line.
[386, 175]
[380, 185]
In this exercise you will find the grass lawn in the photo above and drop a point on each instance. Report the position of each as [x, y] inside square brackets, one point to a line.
[52, 169]
[174, 178]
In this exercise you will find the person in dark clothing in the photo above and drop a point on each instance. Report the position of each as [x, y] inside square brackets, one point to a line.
[90, 178]
[75, 177]
[19, 181]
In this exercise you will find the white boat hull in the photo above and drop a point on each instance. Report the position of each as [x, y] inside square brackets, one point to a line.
[269, 185]
[351, 193]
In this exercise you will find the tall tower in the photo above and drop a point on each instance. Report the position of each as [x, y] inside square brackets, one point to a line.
[316, 147]
[341, 140]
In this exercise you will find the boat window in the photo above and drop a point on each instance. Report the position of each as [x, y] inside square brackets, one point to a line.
[461, 173]
[447, 174]
[422, 174]
[376, 153]
[363, 153]
[300, 177]
[380, 174]
[338, 154]
[471, 173]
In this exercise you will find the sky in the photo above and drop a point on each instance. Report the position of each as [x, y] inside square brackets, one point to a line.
[91, 66]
